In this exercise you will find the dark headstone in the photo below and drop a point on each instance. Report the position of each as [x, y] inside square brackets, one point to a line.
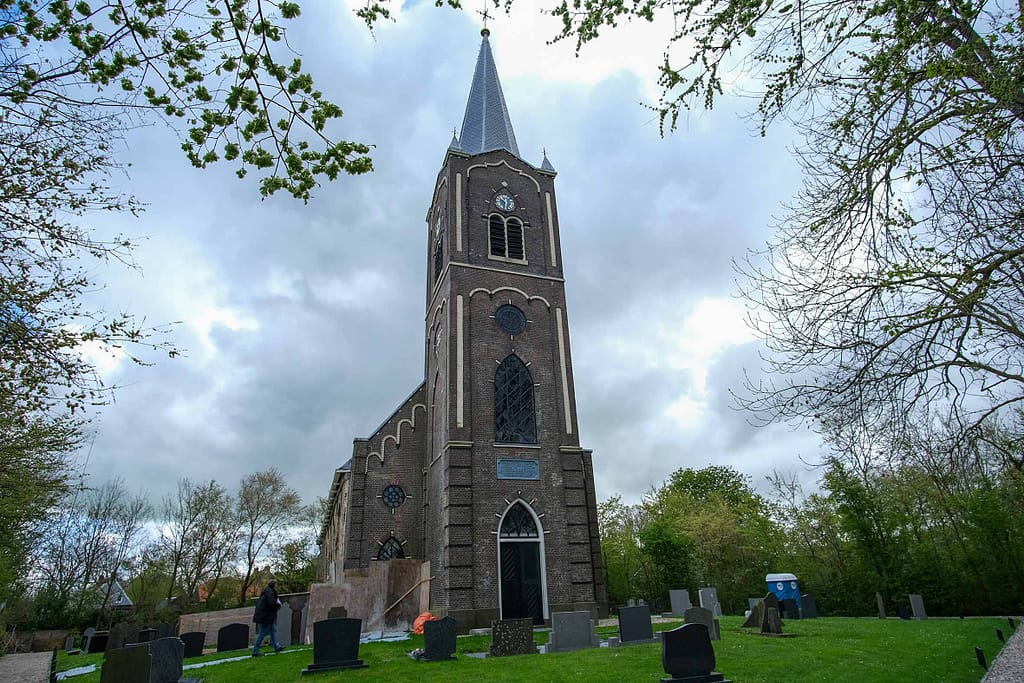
[753, 619]
[336, 645]
[680, 601]
[770, 622]
[337, 613]
[69, 643]
[808, 607]
[146, 635]
[881, 605]
[571, 631]
[635, 624]
[917, 605]
[512, 637]
[194, 642]
[687, 655]
[126, 665]
[98, 642]
[979, 654]
[284, 625]
[999, 635]
[789, 609]
[118, 637]
[903, 612]
[167, 655]
[233, 637]
[706, 618]
[439, 639]
[164, 630]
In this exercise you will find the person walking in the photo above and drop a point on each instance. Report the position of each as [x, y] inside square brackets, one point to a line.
[265, 617]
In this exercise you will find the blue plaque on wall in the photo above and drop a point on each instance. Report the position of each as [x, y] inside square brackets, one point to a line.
[519, 469]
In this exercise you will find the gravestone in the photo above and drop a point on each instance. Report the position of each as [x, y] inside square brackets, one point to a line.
[1000, 636]
[706, 618]
[339, 612]
[903, 612]
[98, 642]
[126, 665]
[164, 630]
[336, 645]
[752, 603]
[233, 637]
[146, 635]
[284, 625]
[631, 603]
[771, 624]
[439, 639]
[917, 605]
[512, 637]
[709, 600]
[87, 635]
[980, 655]
[808, 607]
[687, 655]
[635, 625]
[166, 659]
[789, 609]
[194, 642]
[571, 631]
[1013, 624]
[756, 615]
[69, 643]
[881, 605]
[118, 636]
[680, 601]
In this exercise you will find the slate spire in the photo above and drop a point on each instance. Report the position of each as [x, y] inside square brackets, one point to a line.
[486, 125]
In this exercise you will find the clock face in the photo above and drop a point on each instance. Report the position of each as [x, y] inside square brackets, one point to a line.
[505, 202]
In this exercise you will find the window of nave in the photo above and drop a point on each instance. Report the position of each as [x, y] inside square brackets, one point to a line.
[505, 236]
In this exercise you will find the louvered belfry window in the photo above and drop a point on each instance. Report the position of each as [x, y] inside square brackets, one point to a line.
[514, 417]
[519, 523]
[506, 237]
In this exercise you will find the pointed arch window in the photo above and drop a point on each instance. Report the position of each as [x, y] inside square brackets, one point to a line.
[438, 248]
[519, 523]
[391, 549]
[515, 420]
[506, 237]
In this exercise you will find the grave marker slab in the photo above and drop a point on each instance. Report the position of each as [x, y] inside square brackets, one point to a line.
[789, 609]
[917, 605]
[903, 612]
[572, 631]
[336, 645]
[752, 602]
[87, 635]
[808, 607]
[706, 618]
[164, 630]
[118, 637]
[339, 612]
[881, 605]
[439, 639]
[98, 642]
[233, 637]
[193, 642]
[680, 601]
[166, 659]
[126, 665]
[512, 637]
[635, 625]
[709, 600]
[146, 635]
[284, 625]
[687, 655]
[770, 622]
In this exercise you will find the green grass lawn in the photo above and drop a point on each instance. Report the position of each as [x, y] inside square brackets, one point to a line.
[827, 649]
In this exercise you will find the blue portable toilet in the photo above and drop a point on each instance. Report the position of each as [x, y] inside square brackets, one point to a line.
[784, 586]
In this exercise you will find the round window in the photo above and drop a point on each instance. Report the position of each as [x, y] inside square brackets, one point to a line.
[510, 319]
[393, 495]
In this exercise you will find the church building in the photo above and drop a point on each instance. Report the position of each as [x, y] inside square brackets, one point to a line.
[480, 472]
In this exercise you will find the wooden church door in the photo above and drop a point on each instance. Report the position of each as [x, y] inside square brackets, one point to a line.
[522, 593]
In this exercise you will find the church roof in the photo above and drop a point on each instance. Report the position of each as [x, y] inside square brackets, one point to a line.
[486, 125]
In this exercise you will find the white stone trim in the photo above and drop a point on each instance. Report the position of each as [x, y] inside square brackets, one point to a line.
[460, 400]
[492, 292]
[505, 164]
[458, 212]
[564, 371]
[551, 229]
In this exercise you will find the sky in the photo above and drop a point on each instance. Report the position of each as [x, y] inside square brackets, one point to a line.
[302, 324]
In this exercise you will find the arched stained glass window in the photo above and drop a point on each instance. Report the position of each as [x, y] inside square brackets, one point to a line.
[391, 549]
[514, 417]
[519, 523]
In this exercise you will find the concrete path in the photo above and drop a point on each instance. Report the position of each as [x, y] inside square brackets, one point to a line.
[30, 667]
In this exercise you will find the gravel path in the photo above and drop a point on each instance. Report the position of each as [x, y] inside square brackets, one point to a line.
[30, 667]
[1009, 665]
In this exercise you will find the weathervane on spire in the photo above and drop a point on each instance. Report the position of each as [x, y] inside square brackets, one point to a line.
[486, 15]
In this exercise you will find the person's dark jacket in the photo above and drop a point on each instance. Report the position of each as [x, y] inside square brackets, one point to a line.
[266, 607]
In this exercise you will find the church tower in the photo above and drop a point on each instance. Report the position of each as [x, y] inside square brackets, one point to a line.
[476, 485]
[510, 511]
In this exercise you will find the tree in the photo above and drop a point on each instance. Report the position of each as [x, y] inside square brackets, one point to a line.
[199, 537]
[266, 508]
